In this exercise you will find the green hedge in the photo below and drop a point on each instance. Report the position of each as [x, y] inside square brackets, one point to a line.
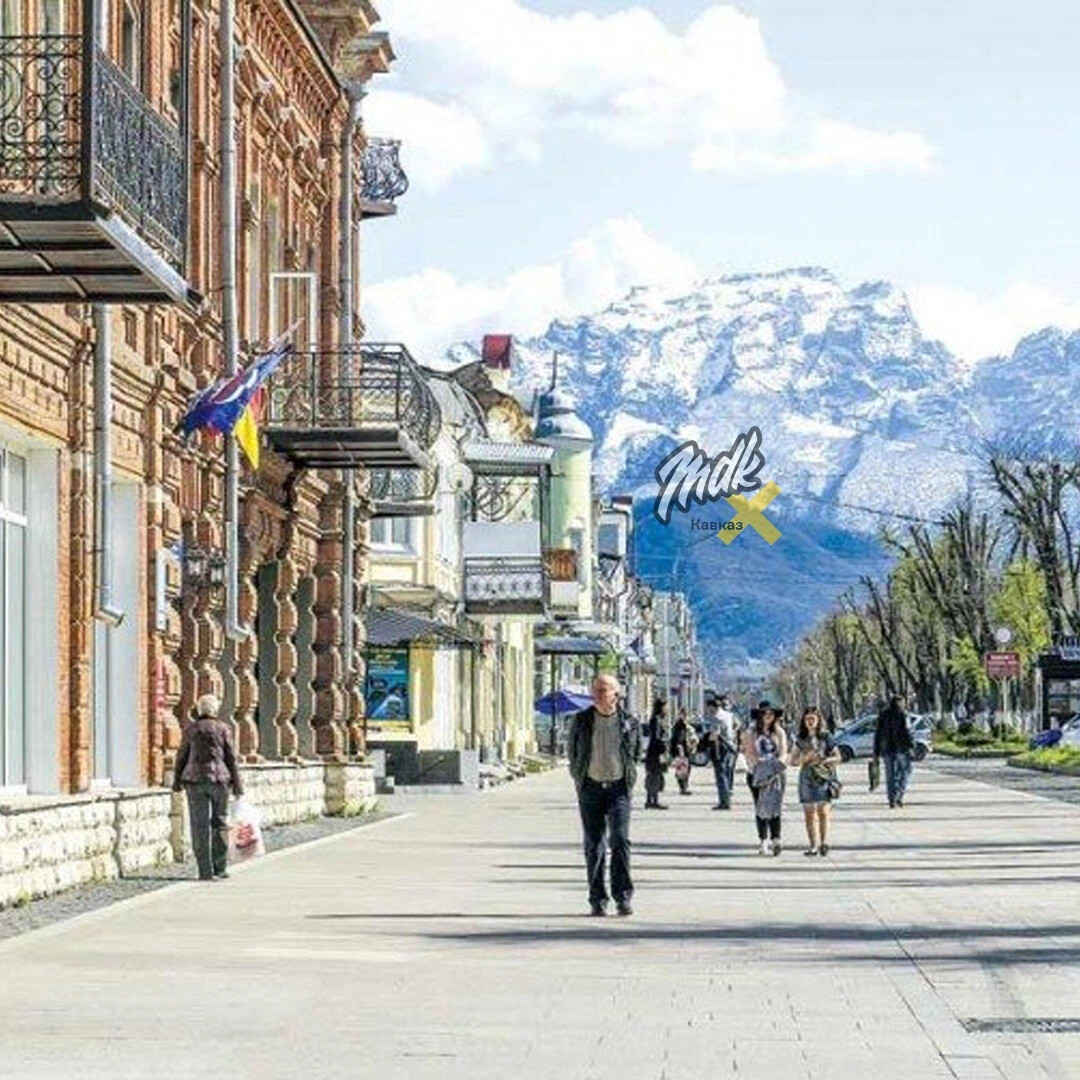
[1063, 759]
[979, 744]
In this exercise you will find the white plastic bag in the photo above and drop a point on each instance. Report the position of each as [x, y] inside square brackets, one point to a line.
[245, 831]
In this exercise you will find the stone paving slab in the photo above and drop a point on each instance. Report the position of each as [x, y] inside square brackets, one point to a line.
[451, 942]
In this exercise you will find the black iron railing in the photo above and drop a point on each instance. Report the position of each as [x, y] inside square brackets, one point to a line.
[138, 161]
[384, 178]
[507, 583]
[403, 486]
[73, 126]
[40, 110]
[370, 385]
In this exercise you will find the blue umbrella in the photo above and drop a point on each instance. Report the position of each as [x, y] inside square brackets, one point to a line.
[561, 701]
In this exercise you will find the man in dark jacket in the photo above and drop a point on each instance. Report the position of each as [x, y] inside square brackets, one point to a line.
[206, 769]
[603, 748]
[893, 744]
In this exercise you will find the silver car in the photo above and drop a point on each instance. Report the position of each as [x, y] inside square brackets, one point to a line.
[857, 739]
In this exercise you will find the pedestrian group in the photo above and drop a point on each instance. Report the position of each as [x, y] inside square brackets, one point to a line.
[606, 743]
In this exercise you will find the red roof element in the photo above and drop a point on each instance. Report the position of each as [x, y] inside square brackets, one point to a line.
[496, 352]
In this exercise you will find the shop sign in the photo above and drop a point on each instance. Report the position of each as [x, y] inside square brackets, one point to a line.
[386, 688]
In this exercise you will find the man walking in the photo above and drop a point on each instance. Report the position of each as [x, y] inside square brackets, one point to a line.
[603, 747]
[206, 769]
[893, 743]
[723, 748]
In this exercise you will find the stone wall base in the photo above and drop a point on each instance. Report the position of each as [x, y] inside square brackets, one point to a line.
[52, 843]
[350, 789]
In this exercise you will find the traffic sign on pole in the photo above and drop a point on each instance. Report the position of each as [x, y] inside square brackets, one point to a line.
[1003, 665]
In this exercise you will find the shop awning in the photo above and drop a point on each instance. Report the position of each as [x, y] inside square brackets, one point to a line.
[397, 629]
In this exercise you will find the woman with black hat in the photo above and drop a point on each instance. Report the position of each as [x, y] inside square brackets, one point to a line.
[765, 748]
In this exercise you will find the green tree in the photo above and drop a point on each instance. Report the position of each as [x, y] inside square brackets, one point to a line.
[967, 662]
[1022, 604]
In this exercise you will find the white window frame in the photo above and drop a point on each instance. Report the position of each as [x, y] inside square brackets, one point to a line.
[312, 280]
[132, 66]
[395, 547]
[19, 520]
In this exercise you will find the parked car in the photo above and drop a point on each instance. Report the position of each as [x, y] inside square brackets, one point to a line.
[1068, 734]
[857, 739]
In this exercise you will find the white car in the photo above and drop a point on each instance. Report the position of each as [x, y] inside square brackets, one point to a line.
[857, 739]
[1070, 732]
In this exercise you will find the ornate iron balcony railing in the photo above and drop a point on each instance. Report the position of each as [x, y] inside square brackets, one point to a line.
[138, 161]
[363, 394]
[513, 584]
[403, 492]
[74, 128]
[384, 178]
[40, 108]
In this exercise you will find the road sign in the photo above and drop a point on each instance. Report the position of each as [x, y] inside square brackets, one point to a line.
[1003, 665]
[1003, 635]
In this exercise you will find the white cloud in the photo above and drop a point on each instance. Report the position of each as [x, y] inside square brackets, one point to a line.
[432, 309]
[438, 141]
[515, 76]
[975, 327]
[831, 145]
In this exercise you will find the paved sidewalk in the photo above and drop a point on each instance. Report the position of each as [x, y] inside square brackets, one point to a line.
[451, 943]
[1000, 772]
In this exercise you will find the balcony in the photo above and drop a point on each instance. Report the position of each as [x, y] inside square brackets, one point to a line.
[504, 569]
[93, 181]
[403, 492]
[368, 406]
[384, 180]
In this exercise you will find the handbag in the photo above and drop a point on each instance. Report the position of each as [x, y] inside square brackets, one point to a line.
[874, 769]
[826, 774]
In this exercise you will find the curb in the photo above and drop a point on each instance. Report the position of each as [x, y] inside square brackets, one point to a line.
[1055, 770]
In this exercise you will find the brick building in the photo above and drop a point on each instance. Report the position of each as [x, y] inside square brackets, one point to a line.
[113, 312]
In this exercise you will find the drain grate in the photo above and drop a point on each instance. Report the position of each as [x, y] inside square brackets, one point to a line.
[1038, 1025]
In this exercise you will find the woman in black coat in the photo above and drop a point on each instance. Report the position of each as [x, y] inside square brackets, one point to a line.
[655, 756]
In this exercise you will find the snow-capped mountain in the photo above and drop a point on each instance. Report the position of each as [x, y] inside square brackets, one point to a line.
[862, 417]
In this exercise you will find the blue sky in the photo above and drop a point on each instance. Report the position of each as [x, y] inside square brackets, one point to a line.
[562, 151]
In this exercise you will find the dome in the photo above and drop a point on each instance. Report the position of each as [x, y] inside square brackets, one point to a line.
[558, 419]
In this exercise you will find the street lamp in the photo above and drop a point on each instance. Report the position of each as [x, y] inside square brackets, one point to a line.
[202, 570]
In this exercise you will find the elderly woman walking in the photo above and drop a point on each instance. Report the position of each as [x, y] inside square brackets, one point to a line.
[206, 769]
[766, 755]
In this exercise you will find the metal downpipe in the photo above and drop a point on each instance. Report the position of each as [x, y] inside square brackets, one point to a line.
[355, 94]
[229, 327]
[104, 609]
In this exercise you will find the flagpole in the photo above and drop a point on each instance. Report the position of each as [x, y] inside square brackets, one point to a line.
[229, 328]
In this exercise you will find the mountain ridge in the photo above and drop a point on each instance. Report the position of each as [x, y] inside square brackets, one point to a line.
[857, 407]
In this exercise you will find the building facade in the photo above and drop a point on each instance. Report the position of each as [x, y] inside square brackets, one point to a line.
[131, 280]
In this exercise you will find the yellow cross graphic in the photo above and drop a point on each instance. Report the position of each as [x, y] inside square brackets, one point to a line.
[750, 513]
